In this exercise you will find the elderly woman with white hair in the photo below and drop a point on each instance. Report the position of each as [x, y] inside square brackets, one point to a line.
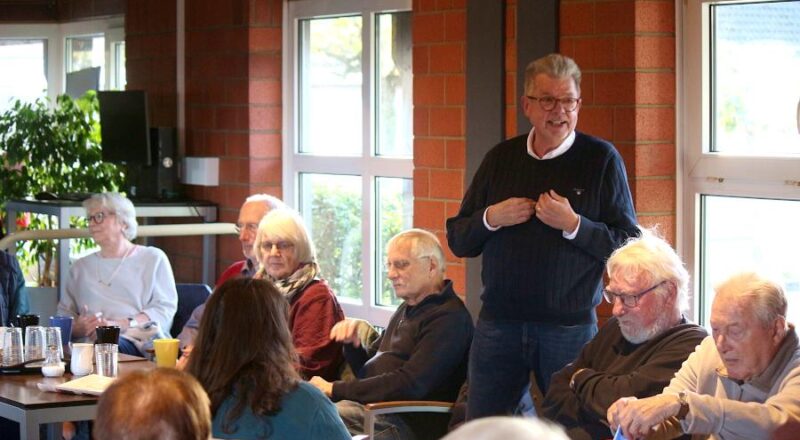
[286, 257]
[123, 284]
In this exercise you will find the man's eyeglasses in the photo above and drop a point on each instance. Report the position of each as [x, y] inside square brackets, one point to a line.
[281, 245]
[249, 227]
[400, 265]
[99, 217]
[629, 301]
[548, 103]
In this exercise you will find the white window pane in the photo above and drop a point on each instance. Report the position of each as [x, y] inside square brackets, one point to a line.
[86, 52]
[330, 86]
[23, 73]
[756, 71]
[120, 74]
[746, 234]
[395, 213]
[332, 205]
[394, 99]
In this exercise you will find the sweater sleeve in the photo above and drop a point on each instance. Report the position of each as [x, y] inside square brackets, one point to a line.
[562, 404]
[162, 302]
[617, 221]
[439, 351]
[466, 233]
[192, 326]
[315, 314]
[597, 390]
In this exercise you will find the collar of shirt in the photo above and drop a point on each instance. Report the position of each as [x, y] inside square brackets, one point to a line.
[561, 149]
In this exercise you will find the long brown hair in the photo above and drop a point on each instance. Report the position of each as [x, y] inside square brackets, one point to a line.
[244, 348]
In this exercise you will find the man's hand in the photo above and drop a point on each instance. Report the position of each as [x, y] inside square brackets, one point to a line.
[322, 385]
[638, 417]
[346, 332]
[85, 323]
[510, 212]
[555, 211]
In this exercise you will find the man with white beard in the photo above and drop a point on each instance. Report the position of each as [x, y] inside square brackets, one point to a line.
[636, 352]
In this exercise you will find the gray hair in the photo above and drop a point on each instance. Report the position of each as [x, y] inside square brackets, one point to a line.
[120, 205]
[286, 224]
[553, 65]
[651, 258]
[764, 297]
[271, 202]
[507, 428]
[423, 244]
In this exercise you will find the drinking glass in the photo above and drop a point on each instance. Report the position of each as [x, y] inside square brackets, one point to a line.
[52, 336]
[34, 342]
[12, 346]
[106, 359]
[107, 334]
[166, 352]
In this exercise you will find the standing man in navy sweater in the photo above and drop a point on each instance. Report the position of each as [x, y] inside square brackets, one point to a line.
[545, 210]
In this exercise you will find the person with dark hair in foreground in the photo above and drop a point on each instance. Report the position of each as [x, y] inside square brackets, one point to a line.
[245, 360]
[163, 404]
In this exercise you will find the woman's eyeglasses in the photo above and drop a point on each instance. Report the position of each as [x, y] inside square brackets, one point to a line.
[99, 217]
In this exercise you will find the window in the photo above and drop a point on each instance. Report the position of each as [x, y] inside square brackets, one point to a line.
[24, 73]
[740, 134]
[348, 162]
[36, 58]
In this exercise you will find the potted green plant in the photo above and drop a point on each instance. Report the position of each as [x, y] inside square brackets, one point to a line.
[54, 149]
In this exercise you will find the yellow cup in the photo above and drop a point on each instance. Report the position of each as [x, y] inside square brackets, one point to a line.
[166, 352]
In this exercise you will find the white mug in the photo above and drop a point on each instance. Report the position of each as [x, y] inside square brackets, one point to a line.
[82, 357]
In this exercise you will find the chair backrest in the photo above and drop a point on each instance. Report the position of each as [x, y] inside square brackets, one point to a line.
[190, 295]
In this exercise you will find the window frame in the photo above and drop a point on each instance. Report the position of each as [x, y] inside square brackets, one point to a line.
[56, 35]
[368, 166]
[702, 172]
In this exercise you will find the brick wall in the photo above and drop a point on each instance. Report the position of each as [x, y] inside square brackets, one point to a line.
[233, 101]
[626, 50]
[439, 51]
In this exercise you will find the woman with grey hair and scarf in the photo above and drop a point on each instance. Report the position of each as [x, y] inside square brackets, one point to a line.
[286, 257]
[122, 284]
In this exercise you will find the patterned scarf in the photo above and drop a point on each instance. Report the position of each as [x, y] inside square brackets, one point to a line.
[296, 282]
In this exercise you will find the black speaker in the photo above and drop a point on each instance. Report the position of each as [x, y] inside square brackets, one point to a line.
[160, 180]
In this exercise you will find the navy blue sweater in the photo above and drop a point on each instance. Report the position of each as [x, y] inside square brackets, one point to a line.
[530, 271]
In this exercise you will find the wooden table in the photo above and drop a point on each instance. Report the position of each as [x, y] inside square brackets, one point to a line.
[23, 402]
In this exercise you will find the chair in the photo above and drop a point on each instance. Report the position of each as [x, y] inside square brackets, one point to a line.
[401, 406]
[190, 295]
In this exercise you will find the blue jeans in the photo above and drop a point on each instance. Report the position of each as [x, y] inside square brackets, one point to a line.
[504, 353]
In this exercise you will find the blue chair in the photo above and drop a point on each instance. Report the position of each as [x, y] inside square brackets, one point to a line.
[190, 295]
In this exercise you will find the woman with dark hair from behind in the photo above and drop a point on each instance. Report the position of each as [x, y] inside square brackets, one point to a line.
[245, 360]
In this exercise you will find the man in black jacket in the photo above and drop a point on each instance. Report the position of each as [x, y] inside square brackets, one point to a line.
[639, 350]
[422, 355]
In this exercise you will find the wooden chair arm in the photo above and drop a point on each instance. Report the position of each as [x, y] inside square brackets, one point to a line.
[401, 406]
[416, 403]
